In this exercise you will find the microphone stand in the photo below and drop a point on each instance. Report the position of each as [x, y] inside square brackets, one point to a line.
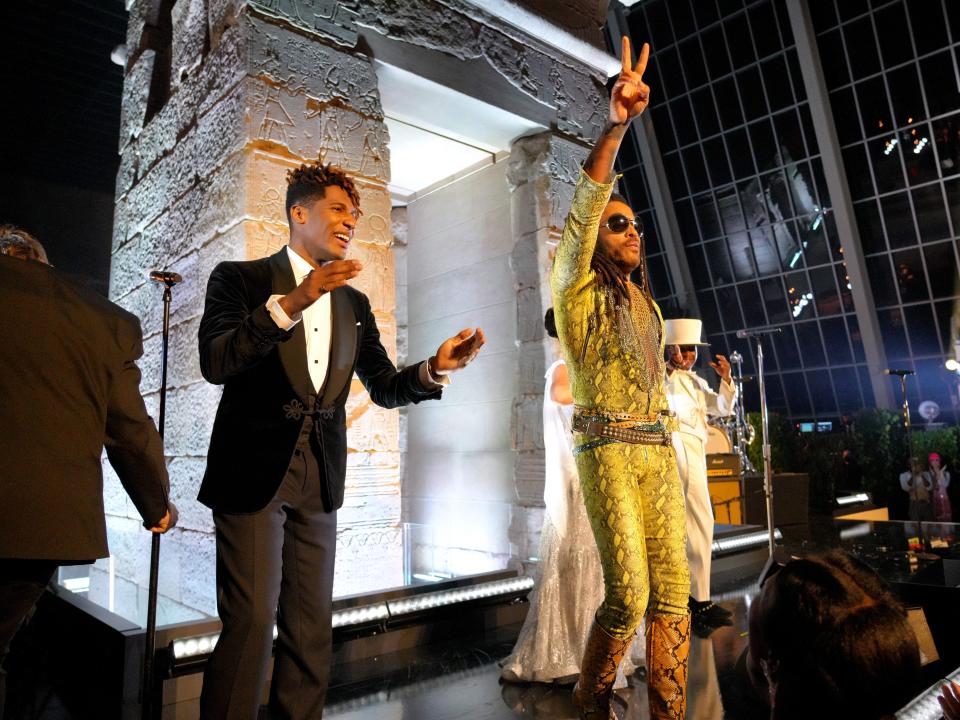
[740, 416]
[147, 694]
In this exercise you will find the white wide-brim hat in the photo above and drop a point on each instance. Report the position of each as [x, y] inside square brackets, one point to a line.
[684, 331]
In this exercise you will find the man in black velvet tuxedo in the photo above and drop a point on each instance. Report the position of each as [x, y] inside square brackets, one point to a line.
[69, 386]
[284, 336]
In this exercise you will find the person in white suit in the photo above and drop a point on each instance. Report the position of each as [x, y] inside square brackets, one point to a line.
[693, 401]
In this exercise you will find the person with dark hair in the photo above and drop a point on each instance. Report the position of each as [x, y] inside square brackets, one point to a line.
[70, 387]
[611, 332]
[939, 481]
[828, 639]
[17, 242]
[284, 336]
[916, 482]
[570, 583]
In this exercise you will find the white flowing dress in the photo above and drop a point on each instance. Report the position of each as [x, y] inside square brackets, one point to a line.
[570, 587]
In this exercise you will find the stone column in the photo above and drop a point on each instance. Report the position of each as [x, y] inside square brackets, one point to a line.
[543, 173]
[254, 89]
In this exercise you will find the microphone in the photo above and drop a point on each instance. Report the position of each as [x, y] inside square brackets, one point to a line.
[758, 333]
[166, 277]
[901, 373]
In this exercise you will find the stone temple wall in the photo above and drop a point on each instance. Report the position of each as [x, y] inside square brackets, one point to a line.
[218, 103]
[202, 181]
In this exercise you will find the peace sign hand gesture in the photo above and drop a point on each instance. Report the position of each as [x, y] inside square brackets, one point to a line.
[630, 95]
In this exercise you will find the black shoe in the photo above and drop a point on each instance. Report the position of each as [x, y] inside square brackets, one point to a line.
[708, 617]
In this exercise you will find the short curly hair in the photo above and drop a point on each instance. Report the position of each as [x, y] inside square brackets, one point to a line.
[308, 183]
[17, 241]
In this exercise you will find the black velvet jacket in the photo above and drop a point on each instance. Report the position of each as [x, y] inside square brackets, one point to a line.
[267, 387]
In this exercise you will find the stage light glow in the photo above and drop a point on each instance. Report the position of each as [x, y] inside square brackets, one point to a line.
[742, 542]
[889, 145]
[194, 646]
[952, 365]
[851, 499]
[855, 531]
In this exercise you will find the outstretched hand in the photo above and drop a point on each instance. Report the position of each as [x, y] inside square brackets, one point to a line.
[630, 95]
[950, 701]
[722, 368]
[457, 352]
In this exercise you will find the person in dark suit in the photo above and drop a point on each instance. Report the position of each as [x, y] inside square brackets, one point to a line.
[284, 335]
[69, 386]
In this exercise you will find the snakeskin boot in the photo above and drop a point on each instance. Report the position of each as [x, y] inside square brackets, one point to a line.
[598, 670]
[668, 647]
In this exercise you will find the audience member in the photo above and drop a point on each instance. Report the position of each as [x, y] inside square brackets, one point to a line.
[917, 484]
[940, 480]
[17, 242]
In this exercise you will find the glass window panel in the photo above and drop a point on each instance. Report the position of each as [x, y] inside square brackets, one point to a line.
[924, 336]
[946, 135]
[931, 213]
[833, 236]
[763, 23]
[843, 282]
[781, 191]
[861, 47]
[741, 254]
[953, 202]
[751, 93]
[825, 291]
[874, 107]
[891, 23]
[637, 22]
[847, 388]
[918, 156]
[635, 185]
[936, 384]
[674, 171]
[785, 345]
[664, 128]
[707, 216]
[821, 391]
[942, 97]
[928, 25]
[886, 158]
[698, 266]
[911, 279]
[651, 232]
[823, 13]
[852, 8]
[796, 76]
[696, 170]
[693, 65]
[774, 300]
[856, 341]
[705, 12]
[953, 18]
[836, 341]
[783, 20]
[738, 40]
[729, 307]
[659, 277]
[834, 62]
[866, 387]
[718, 261]
[765, 250]
[905, 94]
[813, 147]
[881, 280]
[741, 155]
[893, 334]
[705, 112]
[872, 236]
[777, 81]
[858, 171]
[823, 193]
[728, 7]
[683, 123]
[788, 132]
[683, 209]
[628, 157]
[682, 18]
[845, 116]
[808, 335]
[750, 301]
[898, 219]
[716, 155]
[799, 296]
[668, 63]
[715, 50]
[707, 304]
[944, 313]
[731, 217]
[764, 145]
[658, 24]
[725, 93]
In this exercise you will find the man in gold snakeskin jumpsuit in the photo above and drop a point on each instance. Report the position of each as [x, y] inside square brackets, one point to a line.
[612, 338]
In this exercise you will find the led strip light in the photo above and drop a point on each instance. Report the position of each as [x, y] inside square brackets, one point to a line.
[925, 706]
[851, 499]
[741, 542]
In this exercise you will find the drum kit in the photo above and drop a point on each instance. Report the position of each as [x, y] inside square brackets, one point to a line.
[733, 434]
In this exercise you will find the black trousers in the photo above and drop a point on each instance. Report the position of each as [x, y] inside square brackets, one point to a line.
[279, 563]
[21, 584]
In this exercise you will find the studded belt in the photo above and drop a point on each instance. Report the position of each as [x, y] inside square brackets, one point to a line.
[608, 427]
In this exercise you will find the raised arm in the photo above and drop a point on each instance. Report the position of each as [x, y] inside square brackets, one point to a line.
[628, 98]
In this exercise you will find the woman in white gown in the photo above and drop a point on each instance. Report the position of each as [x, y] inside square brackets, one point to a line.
[570, 587]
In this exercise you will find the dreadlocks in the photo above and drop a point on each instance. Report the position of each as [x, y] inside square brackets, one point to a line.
[308, 182]
[609, 275]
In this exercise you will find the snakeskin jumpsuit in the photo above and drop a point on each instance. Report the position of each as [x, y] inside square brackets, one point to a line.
[632, 492]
